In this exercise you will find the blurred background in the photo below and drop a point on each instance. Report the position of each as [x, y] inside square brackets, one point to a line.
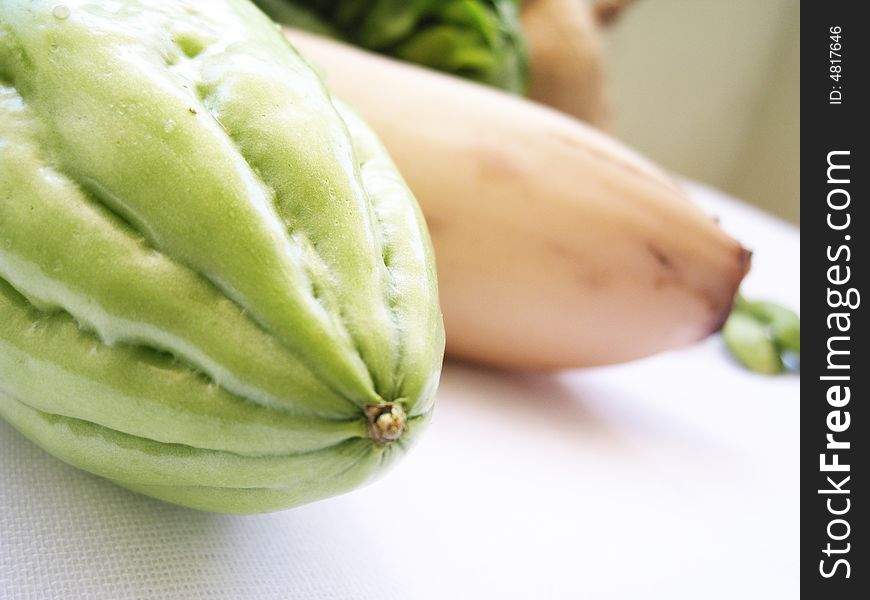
[710, 90]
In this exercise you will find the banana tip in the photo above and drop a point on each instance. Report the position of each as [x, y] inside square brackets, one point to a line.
[743, 264]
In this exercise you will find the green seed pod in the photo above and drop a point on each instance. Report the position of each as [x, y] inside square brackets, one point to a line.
[785, 324]
[749, 342]
[215, 287]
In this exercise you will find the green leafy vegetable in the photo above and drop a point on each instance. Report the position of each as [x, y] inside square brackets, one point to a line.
[476, 39]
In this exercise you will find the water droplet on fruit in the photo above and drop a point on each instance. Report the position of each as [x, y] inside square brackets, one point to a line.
[61, 11]
[168, 126]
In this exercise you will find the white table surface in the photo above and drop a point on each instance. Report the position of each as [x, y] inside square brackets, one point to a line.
[672, 477]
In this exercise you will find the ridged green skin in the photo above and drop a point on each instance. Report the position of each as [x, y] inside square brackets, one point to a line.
[209, 269]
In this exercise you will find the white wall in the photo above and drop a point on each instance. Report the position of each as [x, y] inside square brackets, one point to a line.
[710, 89]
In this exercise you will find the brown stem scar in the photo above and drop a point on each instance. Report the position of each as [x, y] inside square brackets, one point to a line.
[386, 421]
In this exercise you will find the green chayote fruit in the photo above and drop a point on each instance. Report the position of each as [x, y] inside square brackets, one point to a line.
[215, 287]
[480, 40]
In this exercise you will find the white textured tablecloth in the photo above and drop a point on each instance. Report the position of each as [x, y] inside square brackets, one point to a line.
[673, 477]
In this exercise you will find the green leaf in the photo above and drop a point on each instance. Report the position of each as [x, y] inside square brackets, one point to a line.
[480, 40]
